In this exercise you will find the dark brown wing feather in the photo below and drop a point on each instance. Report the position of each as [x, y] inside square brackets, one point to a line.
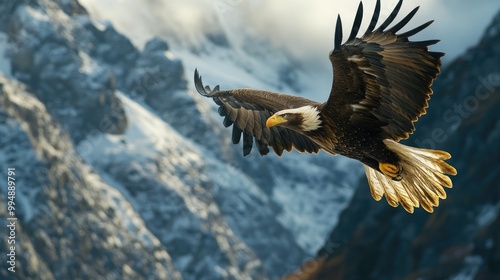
[382, 79]
[247, 110]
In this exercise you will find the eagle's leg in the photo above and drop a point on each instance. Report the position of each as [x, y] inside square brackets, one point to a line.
[391, 170]
[380, 158]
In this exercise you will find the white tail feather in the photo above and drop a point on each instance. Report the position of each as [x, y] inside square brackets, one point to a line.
[424, 175]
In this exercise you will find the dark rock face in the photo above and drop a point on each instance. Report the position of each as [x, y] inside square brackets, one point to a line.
[157, 72]
[461, 238]
[56, 60]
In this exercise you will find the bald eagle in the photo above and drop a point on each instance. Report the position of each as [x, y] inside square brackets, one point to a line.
[382, 84]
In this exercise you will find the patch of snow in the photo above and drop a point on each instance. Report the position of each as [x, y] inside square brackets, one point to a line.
[35, 14]
[26, 202]
[143, 138]
[88, 64]
[488, 214]
[100, 24]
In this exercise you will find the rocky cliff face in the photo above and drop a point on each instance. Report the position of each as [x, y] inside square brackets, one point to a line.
[460, 240]
[124, 172]
[71, 223]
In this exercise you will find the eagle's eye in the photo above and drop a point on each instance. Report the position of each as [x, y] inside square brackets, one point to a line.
[285, 116]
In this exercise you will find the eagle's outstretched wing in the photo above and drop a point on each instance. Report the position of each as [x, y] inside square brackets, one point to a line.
[248, 109]
[382, 79]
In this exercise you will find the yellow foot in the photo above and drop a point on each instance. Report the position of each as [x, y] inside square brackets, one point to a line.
[391, 170]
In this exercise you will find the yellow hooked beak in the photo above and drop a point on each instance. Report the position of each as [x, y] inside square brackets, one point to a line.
[275, 120]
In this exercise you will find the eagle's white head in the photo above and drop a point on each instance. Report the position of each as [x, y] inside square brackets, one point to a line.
[304, 118]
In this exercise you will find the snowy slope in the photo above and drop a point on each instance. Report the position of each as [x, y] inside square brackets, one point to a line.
[168, 172]
[215, 197]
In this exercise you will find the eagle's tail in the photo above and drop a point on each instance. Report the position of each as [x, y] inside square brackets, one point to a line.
[425, 173]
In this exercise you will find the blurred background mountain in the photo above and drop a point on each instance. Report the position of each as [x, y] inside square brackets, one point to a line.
[124, 172]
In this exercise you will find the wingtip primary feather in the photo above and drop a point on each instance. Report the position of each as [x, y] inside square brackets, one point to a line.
[416, 29]
[404, 21]
[196, 76]
[374, 19]
[338, 33]
[392, 16]
[357, 22]
[198, 83]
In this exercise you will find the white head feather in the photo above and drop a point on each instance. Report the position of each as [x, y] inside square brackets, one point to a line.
[310, 116]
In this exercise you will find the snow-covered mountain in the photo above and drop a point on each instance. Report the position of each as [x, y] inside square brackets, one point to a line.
[123, 171]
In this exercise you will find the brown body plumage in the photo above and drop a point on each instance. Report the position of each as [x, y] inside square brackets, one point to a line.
[381, 86]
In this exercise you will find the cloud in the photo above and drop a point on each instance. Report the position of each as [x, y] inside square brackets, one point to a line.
[305, 28]
[301, 28]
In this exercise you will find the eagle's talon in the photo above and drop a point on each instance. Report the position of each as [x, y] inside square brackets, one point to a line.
[391, 170]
